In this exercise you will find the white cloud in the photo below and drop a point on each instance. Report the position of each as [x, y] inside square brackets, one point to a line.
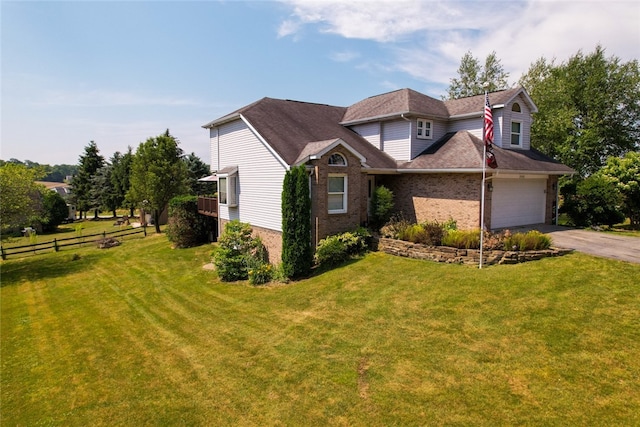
[427, 38]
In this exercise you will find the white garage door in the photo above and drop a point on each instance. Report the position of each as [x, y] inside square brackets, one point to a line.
[517, 202]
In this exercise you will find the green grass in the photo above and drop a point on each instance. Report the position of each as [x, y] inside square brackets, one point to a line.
[142, 335]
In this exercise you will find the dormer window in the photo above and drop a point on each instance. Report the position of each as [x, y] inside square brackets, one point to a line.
[516, 133]
[516, 108]
[337, 159]
[424, 129]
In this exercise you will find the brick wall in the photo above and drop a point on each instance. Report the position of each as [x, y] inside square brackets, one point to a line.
[271, 239]
[429, 197]
[323, 223]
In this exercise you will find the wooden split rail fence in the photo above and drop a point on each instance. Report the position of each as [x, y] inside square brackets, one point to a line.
[58, 244]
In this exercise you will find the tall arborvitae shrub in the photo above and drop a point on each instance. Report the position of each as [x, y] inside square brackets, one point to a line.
[297, 257]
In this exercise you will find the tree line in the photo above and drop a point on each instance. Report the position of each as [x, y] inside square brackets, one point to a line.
[588, 118]
[149, 177]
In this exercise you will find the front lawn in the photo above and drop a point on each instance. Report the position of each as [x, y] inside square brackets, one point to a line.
[142, 335]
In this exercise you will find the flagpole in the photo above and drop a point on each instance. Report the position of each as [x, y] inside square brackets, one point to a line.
[484, 174]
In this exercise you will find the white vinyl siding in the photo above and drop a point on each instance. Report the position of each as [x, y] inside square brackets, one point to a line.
[508, 117]
[396, 139]
[259, 178]
[370, 132]
[213, 145]
[516, 133]
[438, 129]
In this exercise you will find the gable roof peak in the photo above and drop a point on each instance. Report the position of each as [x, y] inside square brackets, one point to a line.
[394, 104]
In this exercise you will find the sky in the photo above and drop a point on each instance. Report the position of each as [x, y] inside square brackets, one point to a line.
[119, 72]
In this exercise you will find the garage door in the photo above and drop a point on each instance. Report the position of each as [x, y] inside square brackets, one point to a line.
[517, 202]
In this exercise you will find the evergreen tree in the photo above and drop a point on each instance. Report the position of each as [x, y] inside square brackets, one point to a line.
[158, 174]
[196, 169]
[88, 165]
[297, 256]
[103, 192]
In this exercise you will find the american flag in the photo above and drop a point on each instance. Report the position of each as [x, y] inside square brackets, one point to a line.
[488, 122]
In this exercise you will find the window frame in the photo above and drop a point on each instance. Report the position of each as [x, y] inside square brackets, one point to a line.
[336, 156]
[421, 126]
[519, 133]
[344, 193]
[228, 186]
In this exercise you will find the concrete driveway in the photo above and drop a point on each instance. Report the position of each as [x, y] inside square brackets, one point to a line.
[608, 245]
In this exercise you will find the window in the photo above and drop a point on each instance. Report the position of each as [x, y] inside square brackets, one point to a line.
[337, 159]
[222, 191]
[228, 187]
[516, 107]
[516, 133]
[424, 129]
[337, 189]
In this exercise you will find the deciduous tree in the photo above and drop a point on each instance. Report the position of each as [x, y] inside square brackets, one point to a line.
[158, 174]
[19, 195]
[474, 78]
[588, 108]
[625, 174]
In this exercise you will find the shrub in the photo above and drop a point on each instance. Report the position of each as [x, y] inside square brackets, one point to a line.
[336, 249]
[532, 240]
[381, 206]
[186, 228]
[592, 201]
[331, 251]
[54, 210]
[434, 233]
[462, 239]
[297, 255]
[261, 274]
[395, 228]
[237, 252]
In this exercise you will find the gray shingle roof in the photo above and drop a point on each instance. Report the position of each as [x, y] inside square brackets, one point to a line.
[288, 126]
[403, 101]
[412, 103]
[294, 129]
[461, 150]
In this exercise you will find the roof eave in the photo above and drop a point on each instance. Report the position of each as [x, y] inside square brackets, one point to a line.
[222, 120]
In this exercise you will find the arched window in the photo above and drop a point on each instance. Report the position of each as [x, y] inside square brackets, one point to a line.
[337, 159]
[516, 108]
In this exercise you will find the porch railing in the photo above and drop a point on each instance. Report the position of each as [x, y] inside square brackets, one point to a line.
[208, 206]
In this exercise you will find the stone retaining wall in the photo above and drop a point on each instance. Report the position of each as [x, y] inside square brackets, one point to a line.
[463, 256]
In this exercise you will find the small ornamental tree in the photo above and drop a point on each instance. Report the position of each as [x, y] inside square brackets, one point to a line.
[54, 210]
[381, 206]
[297, 256]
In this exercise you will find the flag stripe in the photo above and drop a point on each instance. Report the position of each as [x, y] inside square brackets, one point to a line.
[488, 122]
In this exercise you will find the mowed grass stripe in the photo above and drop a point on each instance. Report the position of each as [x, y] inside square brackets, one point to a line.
[144, 335]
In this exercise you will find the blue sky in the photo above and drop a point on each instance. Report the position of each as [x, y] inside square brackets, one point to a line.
[121, 72]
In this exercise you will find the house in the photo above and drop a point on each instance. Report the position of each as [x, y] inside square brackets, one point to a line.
[427, 151]
[64, 190]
